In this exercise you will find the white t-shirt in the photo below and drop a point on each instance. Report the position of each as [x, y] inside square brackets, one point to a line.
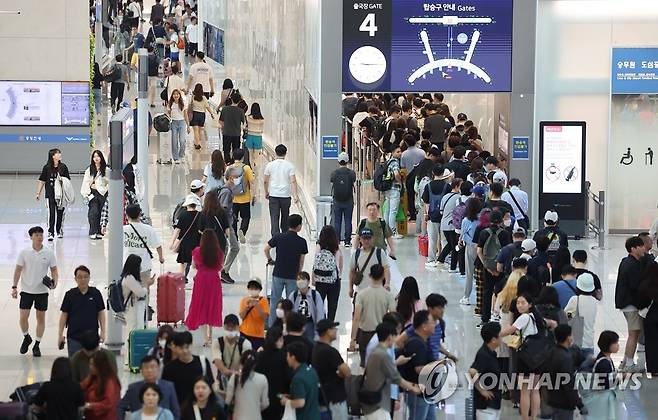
[526, 324]
[174, 46]
[134, 7]
[192, 32]
[587, 306]
[187, 19]
[201, 73]
[133, 245]
[280, 171]
[35, 266]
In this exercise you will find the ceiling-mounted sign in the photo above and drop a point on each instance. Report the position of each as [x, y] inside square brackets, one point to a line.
[423, 46]
[634, 70]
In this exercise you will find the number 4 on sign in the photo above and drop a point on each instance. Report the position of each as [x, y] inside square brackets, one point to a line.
[368, 25]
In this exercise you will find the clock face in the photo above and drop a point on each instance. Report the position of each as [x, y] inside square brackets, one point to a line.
[367, 64]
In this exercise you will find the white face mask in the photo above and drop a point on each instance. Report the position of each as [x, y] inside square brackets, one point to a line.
[254, 293]
[280, 313]
[231, 334]
[162, 343]
[507, 222]
[302, 284]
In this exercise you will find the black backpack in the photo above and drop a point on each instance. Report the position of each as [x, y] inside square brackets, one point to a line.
[178, 212]
[363, 222]
[381, 180]
[377, 128]
[342, 186]
[114, 75]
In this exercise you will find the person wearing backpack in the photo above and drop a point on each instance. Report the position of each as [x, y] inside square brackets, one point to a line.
[307, 302]
[225, 194]
[432, 196]
[244, 194]
[381, 232]
[490, 241]
[393, 194]
[135, 292]
[366, 256]
[552, 231]
[538, 265]
[119, 76]
[342, 180]
[327, 267]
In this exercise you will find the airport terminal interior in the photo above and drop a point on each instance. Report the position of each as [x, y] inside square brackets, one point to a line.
[553, 103]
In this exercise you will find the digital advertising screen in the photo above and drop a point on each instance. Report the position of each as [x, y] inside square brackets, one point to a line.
[41, 103]
[562, 152]
[425, 46]
[213, 42]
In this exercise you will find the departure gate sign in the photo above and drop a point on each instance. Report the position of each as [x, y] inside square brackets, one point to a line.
[424, 46]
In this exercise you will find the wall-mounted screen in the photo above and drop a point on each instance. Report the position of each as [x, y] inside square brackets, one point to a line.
[423, 46]
[44, 103]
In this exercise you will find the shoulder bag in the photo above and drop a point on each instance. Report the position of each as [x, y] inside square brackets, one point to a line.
[358, 272]
[164, 94]
[143, 241]
[535, 349]
[175, 247]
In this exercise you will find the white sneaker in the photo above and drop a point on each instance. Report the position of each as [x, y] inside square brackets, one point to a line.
[431, 264]
[453, 271]
[92, 236]
[634, 368]
[495, 317]
[464, 301]
[398, 236]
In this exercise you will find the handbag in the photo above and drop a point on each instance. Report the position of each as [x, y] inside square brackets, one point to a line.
[175, 247]
[512, 341]
[536, 349]
[163, 95]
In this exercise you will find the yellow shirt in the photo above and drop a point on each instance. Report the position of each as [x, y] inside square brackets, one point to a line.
[253, 324]
[249, 174]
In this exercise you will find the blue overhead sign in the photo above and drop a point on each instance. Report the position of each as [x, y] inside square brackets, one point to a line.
[330, 147]
[44, 138]
[634, 70]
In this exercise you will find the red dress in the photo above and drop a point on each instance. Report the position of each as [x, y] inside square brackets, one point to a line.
[103, 407]
[206, 304]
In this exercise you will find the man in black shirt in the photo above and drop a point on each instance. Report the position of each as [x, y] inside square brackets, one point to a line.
[563, 396]
[491, 275]
[290, 252]
[437, 124]
[487, 394]
[83, 310]
[579, 261]
[295, 324]
[332, 370]
[458, 165]
[417, 348]
[231, 120]
[495, 192]
[551, 230]
[342, 181]
[186, 368]
[432, 196]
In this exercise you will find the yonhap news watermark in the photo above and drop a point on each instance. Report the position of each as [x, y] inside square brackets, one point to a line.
[440, 380]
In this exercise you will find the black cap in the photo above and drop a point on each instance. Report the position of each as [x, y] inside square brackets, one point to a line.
[366, 233]
[461, 117]
[324, 325]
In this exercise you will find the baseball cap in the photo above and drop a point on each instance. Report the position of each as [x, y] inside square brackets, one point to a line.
[551, 216]
[254, 283]
[518, 230]
[528, 245]
[191, 199]
[324, 325]
[366, 233]
[196, 185]
[479, 191]
[343, 157]
[585, 282]
[462, 117]
[500, 177]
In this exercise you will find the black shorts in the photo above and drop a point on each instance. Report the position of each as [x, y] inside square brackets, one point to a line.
[198, 119]
[40, 301]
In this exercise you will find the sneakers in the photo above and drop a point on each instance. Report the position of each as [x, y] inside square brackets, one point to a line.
[93, 237]
[464, 301]
[398, 236]
[241, 237]
[453, 271]
[495, 317]
[51, 237]
[27, 340]
[36, 351]
[348, 245]
[226, 278]
[431, 264]
[633, 368]
[60, 234]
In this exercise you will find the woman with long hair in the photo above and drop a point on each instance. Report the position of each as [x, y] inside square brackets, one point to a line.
[50, 173]
[272, 363]
[213, 173]
[469, 224]
[186, 231]
[283, 308]
[160, 349]
[327, 267]
[529, 322]
[94, 189]
[101, 388]
[227, 89]
[255, 128]
[247, 392]
[214, 217]
[206, 304]
[408, 300]
[61, 396]
[180, 125]
[203, 405]
[199, 106]
[135, 291]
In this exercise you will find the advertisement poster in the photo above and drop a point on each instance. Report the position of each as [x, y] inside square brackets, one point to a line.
[563, 155]
[416, 45]
[634, 70]
[213, 42]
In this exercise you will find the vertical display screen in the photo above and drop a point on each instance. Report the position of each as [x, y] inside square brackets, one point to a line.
[562, 151]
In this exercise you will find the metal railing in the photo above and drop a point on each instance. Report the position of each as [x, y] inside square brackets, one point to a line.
[596, 215]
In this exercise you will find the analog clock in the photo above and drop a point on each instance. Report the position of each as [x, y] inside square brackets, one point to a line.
[367, 64]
